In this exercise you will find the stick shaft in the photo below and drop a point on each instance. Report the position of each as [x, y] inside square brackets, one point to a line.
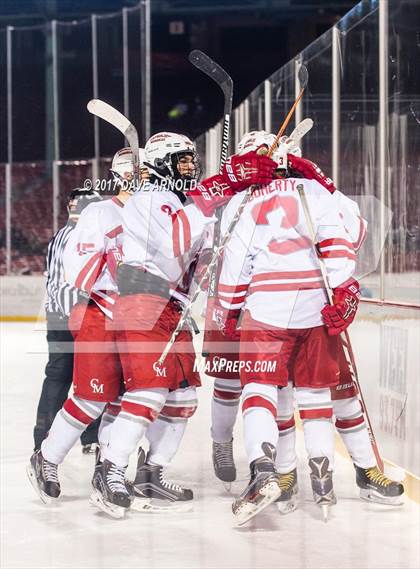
[345, 338]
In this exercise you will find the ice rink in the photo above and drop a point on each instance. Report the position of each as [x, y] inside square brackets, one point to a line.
[72, 534]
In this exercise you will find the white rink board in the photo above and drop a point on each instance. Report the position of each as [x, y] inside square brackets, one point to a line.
[386, 343]
[74, 535]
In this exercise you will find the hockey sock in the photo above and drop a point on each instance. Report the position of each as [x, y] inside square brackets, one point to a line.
[111, 413]
[69, 423]
[139, 408]
[259, 409]
[224, 408]
[350, 423]
[315, 409]
[166, 433]
[286, 459]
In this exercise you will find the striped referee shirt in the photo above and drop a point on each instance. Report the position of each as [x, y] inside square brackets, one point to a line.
[61, 296]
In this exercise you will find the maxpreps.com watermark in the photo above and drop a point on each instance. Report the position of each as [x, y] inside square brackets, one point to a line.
[220, 364]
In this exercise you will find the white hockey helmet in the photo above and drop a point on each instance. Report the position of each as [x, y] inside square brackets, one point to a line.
[122, 164]
[257, 138]
[253, 140]
[163, 151]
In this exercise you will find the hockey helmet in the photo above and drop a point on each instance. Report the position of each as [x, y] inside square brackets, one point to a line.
[257, 138]
[79, 199]
[122, 164]
[163, 153]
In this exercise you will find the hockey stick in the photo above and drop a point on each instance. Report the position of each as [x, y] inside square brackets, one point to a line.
[118, 120]
[186, 312]
[205, 64]
[345, 338]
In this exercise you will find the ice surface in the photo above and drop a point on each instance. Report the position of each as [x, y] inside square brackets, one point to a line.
[72, 534]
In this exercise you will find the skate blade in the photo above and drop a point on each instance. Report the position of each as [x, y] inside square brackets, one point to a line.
[325, 512]
[369, 495]
[247, 511]
[228, 487]
[48, 500]
[148, 505]
[116, 512]
[287, 507]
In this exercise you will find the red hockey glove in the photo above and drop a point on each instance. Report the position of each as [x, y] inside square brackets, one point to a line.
[240, 172]
[113, 259]
[227, 321]
[310, 171]
[210, 194]
[338, 316]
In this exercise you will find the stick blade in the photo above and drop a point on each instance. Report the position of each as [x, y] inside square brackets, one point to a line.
[208, 66]
[303, 76]
[108, 113]
[301, 129]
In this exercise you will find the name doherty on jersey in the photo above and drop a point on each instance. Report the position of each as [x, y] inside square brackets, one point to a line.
[220, 364]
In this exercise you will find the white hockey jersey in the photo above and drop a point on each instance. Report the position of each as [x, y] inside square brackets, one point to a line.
[164, 237]
[98, 230]
[270, 266]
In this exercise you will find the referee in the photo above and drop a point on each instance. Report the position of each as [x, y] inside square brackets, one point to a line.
[60, 299]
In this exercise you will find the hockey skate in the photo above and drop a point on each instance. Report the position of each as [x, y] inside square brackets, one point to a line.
[223, 463]
[110, 493]
[263, 488]
[90, 448]
[289, 488]
[152, 493]
[376, 487]
[43, 477]
[322, 484]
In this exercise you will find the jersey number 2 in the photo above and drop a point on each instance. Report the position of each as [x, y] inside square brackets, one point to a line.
[290, 208]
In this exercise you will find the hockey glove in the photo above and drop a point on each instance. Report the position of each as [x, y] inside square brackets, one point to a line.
[338, 316]
[227, 321]
[240, 172]
[113, 259]
[210, 194]
[310, 171]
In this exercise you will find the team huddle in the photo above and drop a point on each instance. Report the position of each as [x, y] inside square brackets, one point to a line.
[136, 259]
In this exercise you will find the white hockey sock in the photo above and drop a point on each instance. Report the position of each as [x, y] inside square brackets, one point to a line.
[259, 406]
[286, 459]
[224, 409]
[164, 438]
[139, 409]
[111, 413]
[350, 423]
[315, 409]
[166, 433]
[69, 423]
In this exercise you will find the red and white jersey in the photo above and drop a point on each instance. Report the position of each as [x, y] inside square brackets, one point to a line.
[98, 230]
[163, 236]
[270, 266]
[354, 224]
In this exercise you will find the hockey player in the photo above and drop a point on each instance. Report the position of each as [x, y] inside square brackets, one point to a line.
[163, 234]
[346, 407]
[270, 271]
[89, 264]
[223, 366]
